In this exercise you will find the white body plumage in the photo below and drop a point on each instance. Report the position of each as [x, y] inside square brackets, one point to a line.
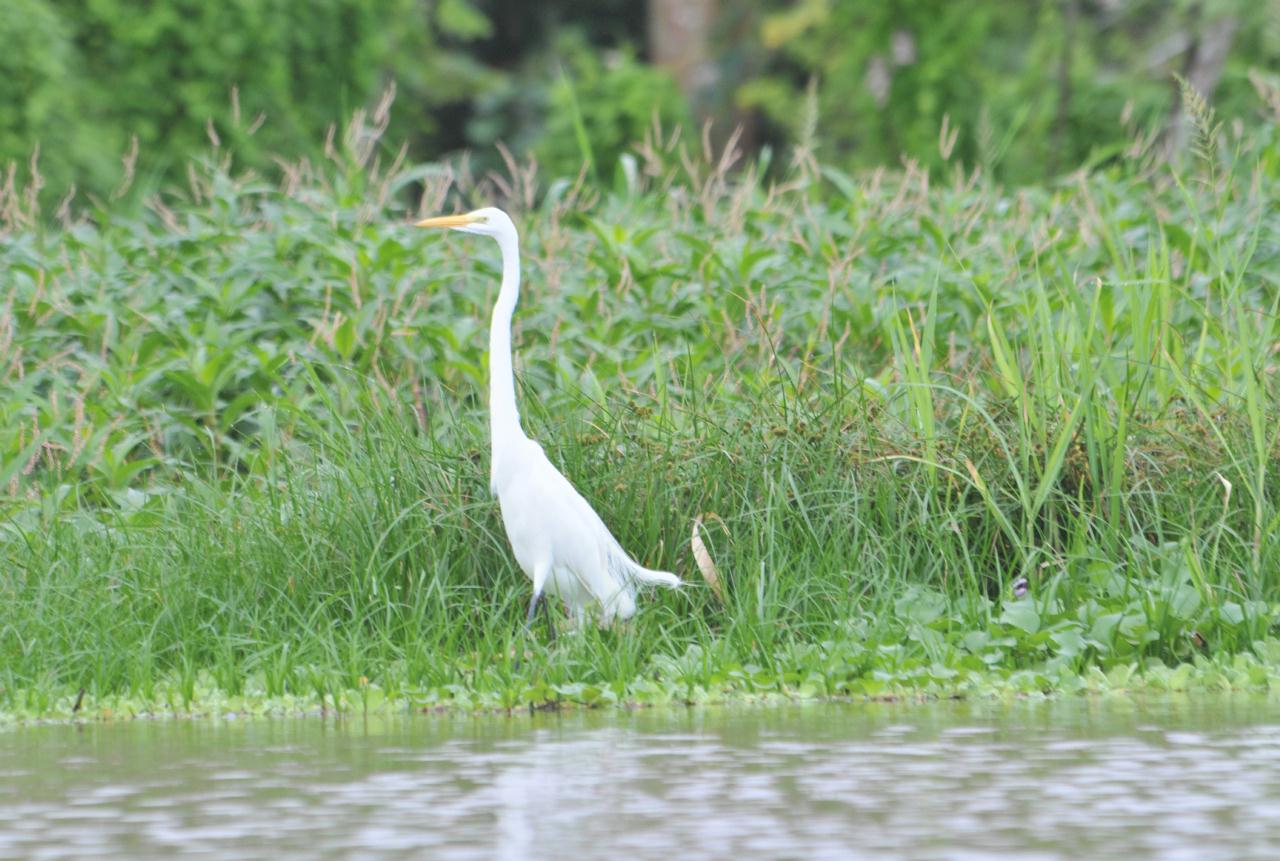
[558, 540]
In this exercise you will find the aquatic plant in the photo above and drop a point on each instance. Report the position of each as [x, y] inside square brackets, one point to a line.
[242, 436]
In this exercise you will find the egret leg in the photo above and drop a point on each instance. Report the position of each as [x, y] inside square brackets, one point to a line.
[551, 620]
[528, 626]
[539, 578]
[546, 611]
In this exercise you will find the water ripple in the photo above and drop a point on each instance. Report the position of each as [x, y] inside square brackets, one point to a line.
[945, 781]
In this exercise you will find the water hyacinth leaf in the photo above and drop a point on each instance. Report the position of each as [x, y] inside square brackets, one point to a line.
[1104, 628]
[975, 641]
[921, 605]
[1231, 613]
[1118, 677]
[1022, 615]
[1268, 651]
[1185, 602]
[1070, 642]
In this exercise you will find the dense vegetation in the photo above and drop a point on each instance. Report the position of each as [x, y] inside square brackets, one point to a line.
[1024, 89]
[243, 449]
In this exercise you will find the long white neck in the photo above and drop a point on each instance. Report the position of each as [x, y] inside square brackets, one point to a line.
[504, 419]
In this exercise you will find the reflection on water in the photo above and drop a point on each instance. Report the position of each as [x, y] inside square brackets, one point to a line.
[1071, 779]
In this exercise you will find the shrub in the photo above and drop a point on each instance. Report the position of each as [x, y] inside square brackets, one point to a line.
[599, 107]
[100, 72]
[38, 84]
[1027, 89]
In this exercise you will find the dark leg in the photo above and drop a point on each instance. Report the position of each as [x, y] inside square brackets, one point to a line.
[551, 619]
[528, 626]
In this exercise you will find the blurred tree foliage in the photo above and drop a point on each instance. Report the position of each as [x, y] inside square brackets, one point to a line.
[39, 77]
[82, 77]
[1024, 88]
[573, 100]
[601, 105]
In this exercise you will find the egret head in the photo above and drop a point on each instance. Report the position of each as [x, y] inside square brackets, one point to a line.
[487, 222]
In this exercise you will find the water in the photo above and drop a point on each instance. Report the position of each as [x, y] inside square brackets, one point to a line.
[1071, 779]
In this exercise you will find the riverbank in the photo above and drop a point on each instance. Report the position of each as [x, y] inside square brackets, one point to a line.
[542, 687]
[1243, 675]
[941, 437]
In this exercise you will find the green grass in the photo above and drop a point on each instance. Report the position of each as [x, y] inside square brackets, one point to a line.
[242, 436]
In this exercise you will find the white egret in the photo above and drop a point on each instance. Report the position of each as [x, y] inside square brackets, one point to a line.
[557, 537]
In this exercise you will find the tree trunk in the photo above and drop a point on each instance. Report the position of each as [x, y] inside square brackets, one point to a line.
[680, 41]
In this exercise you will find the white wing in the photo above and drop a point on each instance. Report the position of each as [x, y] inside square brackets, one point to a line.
[552, 528]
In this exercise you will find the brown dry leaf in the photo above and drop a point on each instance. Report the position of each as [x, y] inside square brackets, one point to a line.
[702, 557]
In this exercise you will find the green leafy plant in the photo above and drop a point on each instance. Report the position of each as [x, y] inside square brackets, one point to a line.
[600, 107]
[955, 440]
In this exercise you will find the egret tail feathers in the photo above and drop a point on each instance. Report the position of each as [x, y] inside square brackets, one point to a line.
[659, 578]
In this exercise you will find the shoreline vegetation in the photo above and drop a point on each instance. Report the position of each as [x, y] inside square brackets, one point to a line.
[940, 438]
[1243, 675]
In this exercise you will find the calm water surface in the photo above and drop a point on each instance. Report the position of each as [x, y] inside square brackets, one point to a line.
[1073, 779]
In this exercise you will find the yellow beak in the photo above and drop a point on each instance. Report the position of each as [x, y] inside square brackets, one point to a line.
[447, 221]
